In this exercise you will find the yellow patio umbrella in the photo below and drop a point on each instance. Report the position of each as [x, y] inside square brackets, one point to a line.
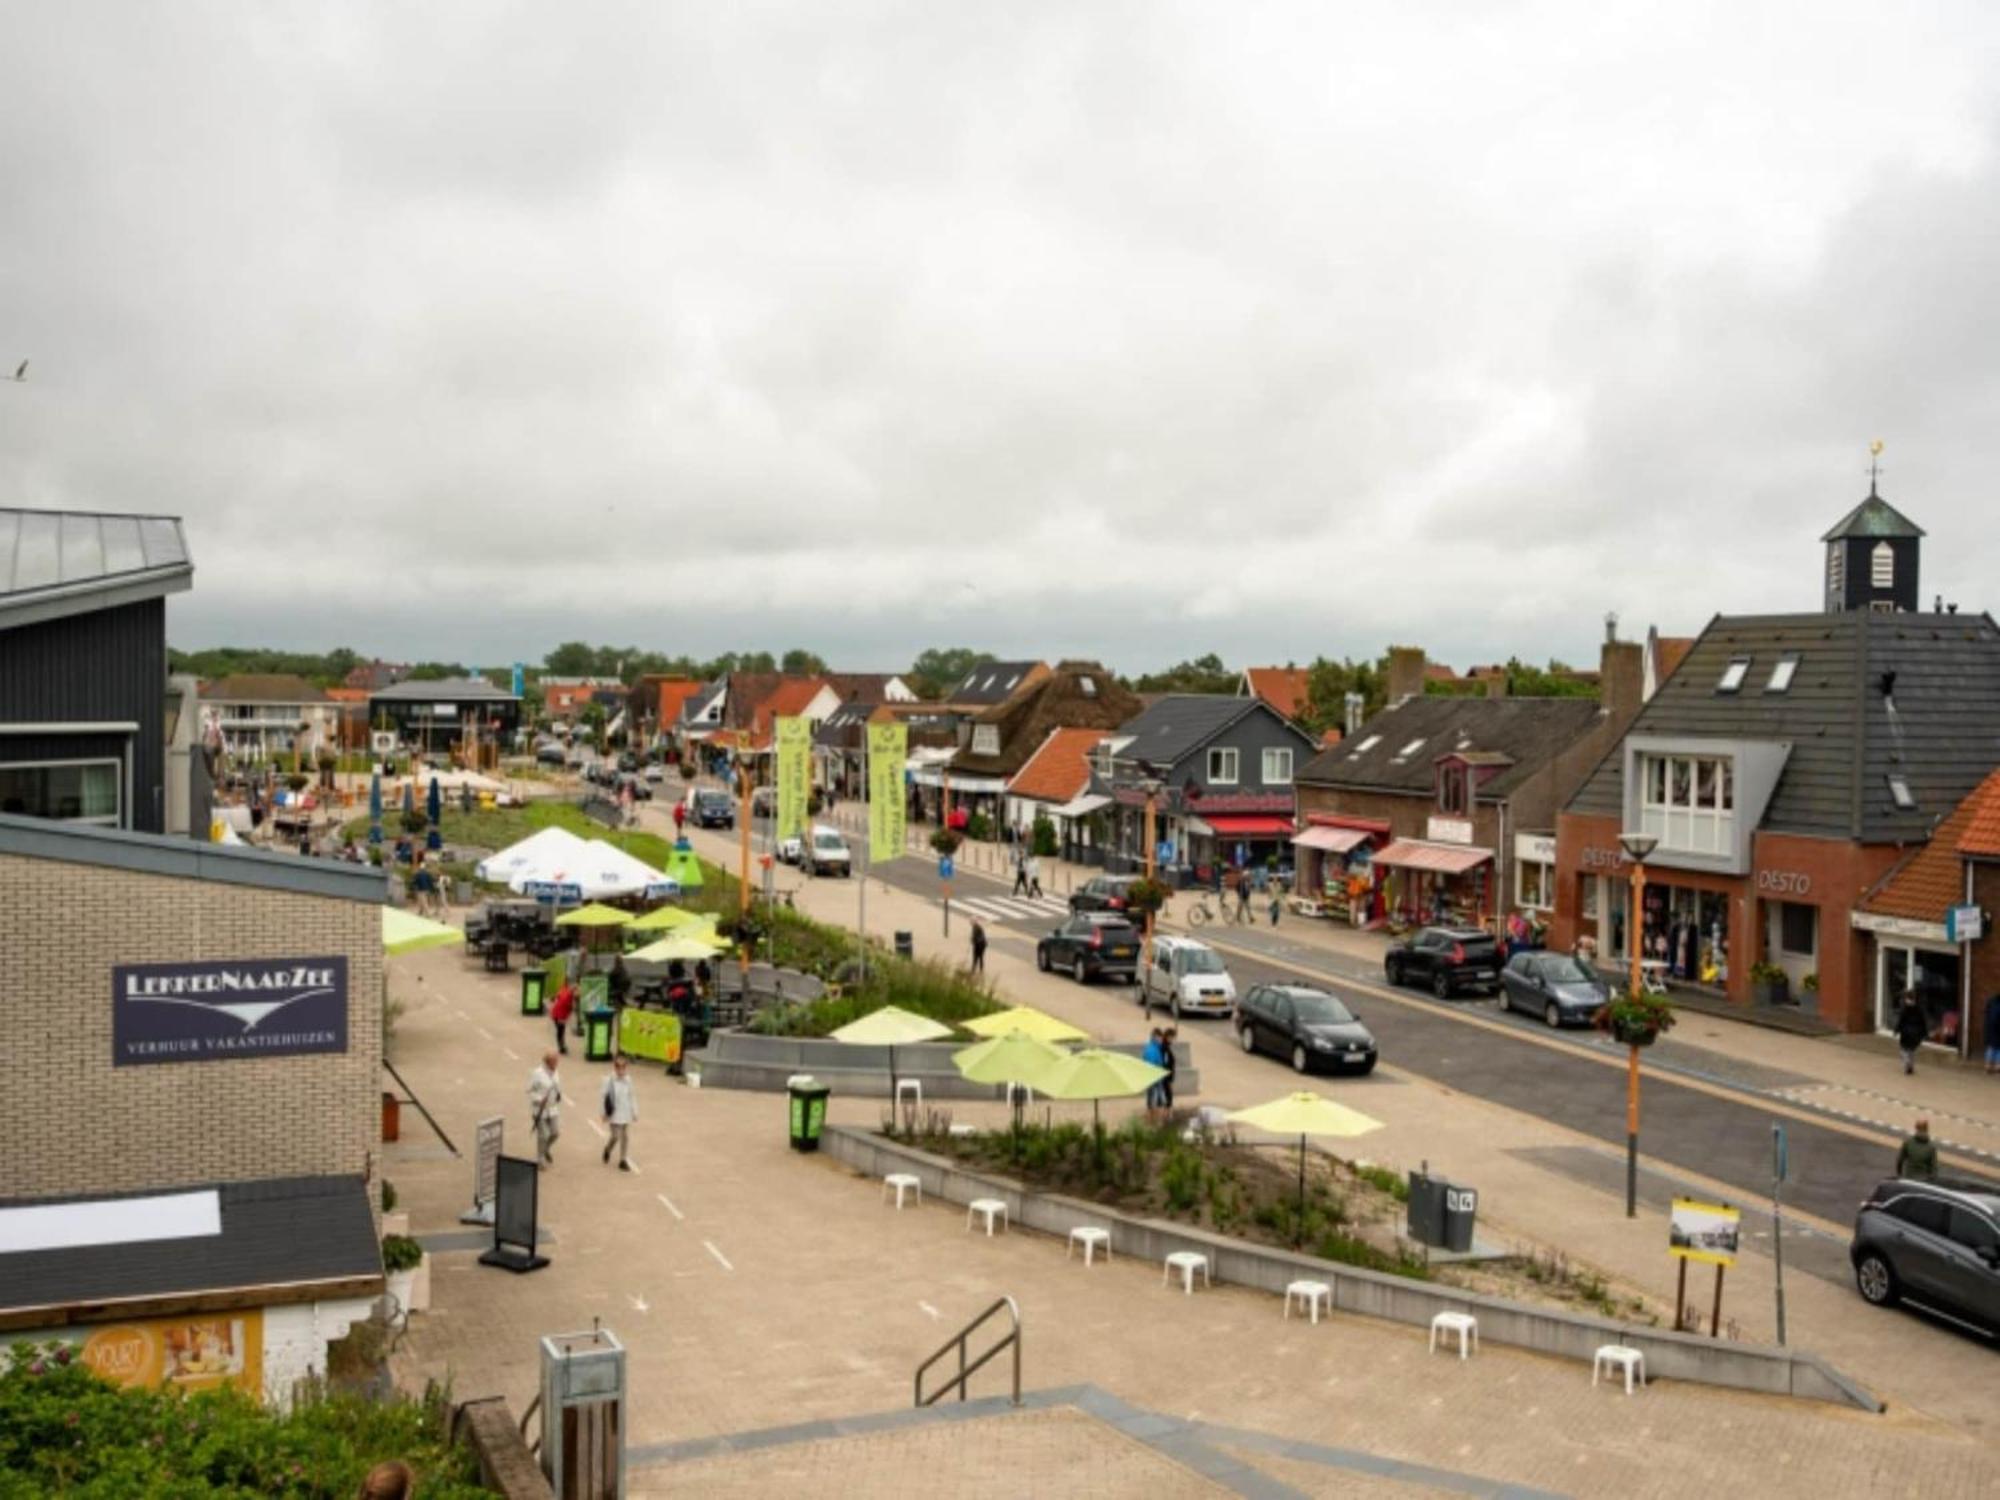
[682, 945]
[594, 915]
[1303, 1114]
[1028, 1021]
[891, 1026]
[1096, 1074]
[670, 919]
[1015, 1057]
[406, 932]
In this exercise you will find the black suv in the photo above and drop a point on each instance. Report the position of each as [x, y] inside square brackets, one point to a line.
[1448, 959]
[712, 809]
[1091, 945]
[1103, 893]
[1937, 1243]
[1306, 1025]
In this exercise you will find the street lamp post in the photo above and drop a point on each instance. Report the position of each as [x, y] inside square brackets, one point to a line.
[1150, 784]
[1637, 847]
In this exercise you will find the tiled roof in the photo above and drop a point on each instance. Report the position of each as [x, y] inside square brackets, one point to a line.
[861, 687]
[1397, 750]
[1931, 879]
[1060, 769]
[348, 695]
[261, 687]
[1284, 688]
[790, 697]
[1670, 652]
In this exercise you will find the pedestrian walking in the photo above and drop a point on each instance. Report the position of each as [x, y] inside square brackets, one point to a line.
[560, 1010]
[1911, 1029]
[978, 946]
[1020, 871]
[1918, 1155]
[1167, 1040]
[620, 982]
[621, 1108]
[1032, 866]
[1993, 1032]
[1243, 895]
[1277, 901]
[545, 1106]
[1154, 1092]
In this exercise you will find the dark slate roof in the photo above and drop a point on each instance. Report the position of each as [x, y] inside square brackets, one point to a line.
[1873, 517]
[443, 690]
[1175, 725]
[991, 682]
[845, 728]
[1525, 733]
[282, 1230]
[701, 700]
[189, 859]
[64, 562]
[1943, 737]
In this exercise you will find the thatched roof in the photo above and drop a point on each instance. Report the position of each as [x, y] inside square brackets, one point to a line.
[1076, 695]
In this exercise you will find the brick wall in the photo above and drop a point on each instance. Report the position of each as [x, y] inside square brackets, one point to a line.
[80, 1125]
[1985, 955]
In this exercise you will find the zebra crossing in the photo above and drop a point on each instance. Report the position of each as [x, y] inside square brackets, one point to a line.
[1036, 909]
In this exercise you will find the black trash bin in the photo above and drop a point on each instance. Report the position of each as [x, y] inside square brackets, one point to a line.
[1426, 1217]
[808, 1114]
[906, 946]
[1461, 1206]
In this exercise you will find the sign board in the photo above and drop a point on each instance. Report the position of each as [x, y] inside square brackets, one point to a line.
[1448, 831]
[888, 749]
[444, 710]
[1535, 848]
[1965, 924]
[1163, 854]
[199, 1353]
[1704, 1231]
[486, 1161]
[794, 776]
[945, 867]
[520, 679]
[383, 741]
[552, 890]
[652, 1034]
[515, 1211]
[594, 991]
[227, 1007]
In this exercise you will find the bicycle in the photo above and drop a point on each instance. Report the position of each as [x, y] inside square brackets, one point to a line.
[1201, 913]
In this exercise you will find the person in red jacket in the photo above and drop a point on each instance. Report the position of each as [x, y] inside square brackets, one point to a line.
[560, 1010]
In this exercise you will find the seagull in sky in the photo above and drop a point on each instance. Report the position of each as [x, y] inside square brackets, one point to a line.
[21, 373]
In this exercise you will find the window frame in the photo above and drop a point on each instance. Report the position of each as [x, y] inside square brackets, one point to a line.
[116, 818]
[1224, 755]
[1271, 751]
[1545, 884]
[1786, 667]
[1882, 565]
[1734, 675]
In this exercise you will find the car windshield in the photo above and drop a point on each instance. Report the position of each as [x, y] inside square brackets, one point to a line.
[1560, 968]
[1202, 961]
[1319, 1010]
[827, 841]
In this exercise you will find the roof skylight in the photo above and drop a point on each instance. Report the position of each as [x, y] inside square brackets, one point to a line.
[1780, 680]
[1733, 675]
[1900, 794]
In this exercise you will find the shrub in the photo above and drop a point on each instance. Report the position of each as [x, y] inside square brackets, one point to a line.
[1181, 1178]
[414, 821]
[1044, 836]
[388, 1196]
[297, 782]
[1146, 896]
[400, 1253]
[978, 827]
[1395, 1184]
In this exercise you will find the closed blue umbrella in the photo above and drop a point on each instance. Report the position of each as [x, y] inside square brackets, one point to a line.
[434, 808]
[410, 795]
[375, 807]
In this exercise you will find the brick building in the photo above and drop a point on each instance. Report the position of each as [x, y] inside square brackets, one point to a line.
[196, 1034]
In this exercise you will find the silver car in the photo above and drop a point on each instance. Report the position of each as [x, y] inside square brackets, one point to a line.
[1562, 990]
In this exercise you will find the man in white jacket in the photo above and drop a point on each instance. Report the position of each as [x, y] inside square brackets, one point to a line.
[545, 1104]
[621, 1108]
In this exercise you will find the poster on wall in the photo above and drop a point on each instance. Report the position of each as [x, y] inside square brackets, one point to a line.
[1704, 1231]
[189, 1353]
[888, 749]
[227, 1007]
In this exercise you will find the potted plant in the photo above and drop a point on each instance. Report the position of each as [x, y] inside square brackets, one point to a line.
[1770, 985]
[409, 1271]
[394, 1221]
[1145, 896]
[1809, 993]
[1636, 1020]
[946, 841]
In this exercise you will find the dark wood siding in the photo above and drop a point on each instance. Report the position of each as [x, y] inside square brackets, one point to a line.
[104, 666]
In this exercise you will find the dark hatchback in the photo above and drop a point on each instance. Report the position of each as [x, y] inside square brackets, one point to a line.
[1311, 1028]
[1562, 990]
[1448, 959]
[1091, 945]
[712, 809]
[1935, 1243]
[1103, 893]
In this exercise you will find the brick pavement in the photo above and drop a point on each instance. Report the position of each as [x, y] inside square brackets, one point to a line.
[756, 1287]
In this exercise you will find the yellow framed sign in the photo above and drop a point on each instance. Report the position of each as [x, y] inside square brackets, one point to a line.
[1709, 1232]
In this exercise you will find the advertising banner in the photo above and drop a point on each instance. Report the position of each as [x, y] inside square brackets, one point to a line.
[888, 749]
[651, 1034]
[1704, 1231]
[594, 990]
[794, 776]
[197, 1353]
[227, 1007]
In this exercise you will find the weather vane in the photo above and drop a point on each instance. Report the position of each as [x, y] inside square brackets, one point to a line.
[1874, 463]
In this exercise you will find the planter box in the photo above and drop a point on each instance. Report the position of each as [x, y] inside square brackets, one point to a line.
[1771, 992]
[412, 1289]
[397, 1222]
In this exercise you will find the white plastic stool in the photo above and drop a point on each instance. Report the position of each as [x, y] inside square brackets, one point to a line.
[992, 1208]
[904, 1182]
[1311, 1293]
[1185, 1261]
[1616, 1356]
[1090, 1238]
[800, 1081]
[909, 1088]
[1464, 1325]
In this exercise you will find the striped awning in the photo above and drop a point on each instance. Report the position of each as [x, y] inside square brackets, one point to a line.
[1439, 859]
[1332, 840]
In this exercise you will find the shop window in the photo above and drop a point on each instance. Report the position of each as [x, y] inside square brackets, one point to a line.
[1222, 764]
[1798, 929]
[1929, 974]
[1882, 566]
[1278, 767]
[75, 791]
[1733, 675]
[1587, 899]
[1534, 885]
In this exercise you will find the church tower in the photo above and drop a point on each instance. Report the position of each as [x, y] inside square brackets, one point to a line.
[1871, 557]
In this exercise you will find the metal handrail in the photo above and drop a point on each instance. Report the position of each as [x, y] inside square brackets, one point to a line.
[966, 1371]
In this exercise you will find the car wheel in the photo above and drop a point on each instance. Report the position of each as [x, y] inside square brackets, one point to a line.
[1301, 1062]
[1041, 958]
[1441, 985]
[1079, 973]
[1395, 972]
[1876, 1281]
[1247, 1037]
[1554, 1016]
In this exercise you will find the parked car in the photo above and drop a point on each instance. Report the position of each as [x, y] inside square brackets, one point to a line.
[1936, 1243]
[826, 852]
[1562, 990]
[1187, 977]
[1310, 1027]
[655, 771]
[628, 761]
[1091, 945]
[551, 754]
[790, 850]
[640, 791]
[709, 808]
[1103, 893]
[1448, 959]
[763, 803]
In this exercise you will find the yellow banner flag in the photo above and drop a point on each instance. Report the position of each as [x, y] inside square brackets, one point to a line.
[794, 776]
[888, 749]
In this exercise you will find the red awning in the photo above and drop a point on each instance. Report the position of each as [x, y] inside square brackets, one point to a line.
[1332, 840]
[1248, 825]
[1443, 859]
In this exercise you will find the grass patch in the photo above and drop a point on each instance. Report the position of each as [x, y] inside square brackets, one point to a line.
[495, 828]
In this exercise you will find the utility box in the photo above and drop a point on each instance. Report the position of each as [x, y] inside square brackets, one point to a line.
[1426, 1216]
[1461, 1207]
[583, 1415]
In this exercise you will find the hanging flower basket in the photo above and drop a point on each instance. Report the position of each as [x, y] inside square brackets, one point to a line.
[946, 841]
[1636, 1020]
[1145, 896]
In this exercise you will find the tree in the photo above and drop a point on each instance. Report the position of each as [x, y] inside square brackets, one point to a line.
[1205, 674]
[1328, 683]
[939, 669]
[799, 662]
[571, 659]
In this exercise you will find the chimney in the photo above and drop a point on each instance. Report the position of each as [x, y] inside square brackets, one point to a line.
[1496, 683]
[1406, 674]
[1621, 679]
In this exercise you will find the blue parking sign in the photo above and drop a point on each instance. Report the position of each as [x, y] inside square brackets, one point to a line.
[944, 867]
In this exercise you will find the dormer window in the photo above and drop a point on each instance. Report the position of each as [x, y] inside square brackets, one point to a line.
[1453, 789]
[1733, 675]
[986, 739]
[1882, 566]
[1087, 686]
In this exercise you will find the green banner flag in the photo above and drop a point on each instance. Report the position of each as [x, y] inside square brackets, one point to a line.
[794, 776]
[888, 749]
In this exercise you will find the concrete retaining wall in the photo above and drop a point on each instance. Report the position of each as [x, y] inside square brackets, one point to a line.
[745, 1060]
[1398, 1299]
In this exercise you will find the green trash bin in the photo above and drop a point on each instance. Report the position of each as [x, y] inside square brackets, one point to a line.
[534, 991]
[808, 1114]
[598, 1029]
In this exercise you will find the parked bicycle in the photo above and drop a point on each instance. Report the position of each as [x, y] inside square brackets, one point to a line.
[1209, 907]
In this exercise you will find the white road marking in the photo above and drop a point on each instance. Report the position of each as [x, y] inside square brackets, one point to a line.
[484, 1032]
[638, 1303]
[596, 1127]
[931, 1310]
[511, 1053]
[720, 1259]
[668, 1204]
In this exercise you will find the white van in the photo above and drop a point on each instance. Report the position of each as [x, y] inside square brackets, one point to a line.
[1186, 977]
[825, 852]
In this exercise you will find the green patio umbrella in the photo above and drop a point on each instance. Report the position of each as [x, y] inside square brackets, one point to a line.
[682, 945]
[670, 919]
[1015, 1057]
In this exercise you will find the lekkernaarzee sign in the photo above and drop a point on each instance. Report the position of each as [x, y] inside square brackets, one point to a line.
[227, 1007]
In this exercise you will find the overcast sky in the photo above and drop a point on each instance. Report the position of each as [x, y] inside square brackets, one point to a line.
[1135, 331]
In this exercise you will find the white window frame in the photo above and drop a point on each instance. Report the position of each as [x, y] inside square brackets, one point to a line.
[116, 818]
[1545, 883]
[986, 739]
[1278, 756]
[1690, 804]
[1882, 566]
[1783, 670]
[1732, 677]
[1836, 572]
[1224, 755]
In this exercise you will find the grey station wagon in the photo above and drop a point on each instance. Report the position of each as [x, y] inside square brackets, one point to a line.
[1937, 1244]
